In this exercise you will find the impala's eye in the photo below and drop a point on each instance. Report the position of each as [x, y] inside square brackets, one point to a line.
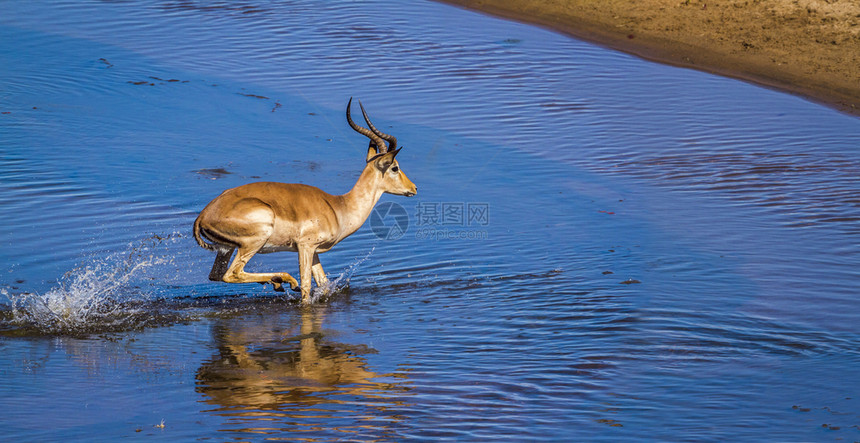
[394, 169]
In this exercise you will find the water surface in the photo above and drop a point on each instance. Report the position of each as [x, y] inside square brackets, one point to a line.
[602, 248]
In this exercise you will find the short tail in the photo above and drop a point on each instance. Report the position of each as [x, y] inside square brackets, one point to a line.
[199, 238]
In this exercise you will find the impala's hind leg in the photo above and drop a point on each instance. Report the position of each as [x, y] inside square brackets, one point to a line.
[219, 268]
[236, 271]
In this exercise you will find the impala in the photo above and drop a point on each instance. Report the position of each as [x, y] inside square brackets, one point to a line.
[266, 217]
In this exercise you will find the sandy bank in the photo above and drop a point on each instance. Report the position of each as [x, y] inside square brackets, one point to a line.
[806, 47]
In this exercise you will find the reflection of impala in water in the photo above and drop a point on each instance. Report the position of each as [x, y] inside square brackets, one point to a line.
[266, 372]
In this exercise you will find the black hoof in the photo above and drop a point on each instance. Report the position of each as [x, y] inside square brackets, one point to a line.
[277, 284]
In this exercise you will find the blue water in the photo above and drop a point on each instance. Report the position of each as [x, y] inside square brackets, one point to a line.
[602, 248]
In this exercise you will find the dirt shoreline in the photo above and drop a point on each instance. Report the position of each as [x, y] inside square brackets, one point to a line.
[806, 47]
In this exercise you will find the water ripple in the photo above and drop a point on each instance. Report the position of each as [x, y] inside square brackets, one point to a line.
[669, 255]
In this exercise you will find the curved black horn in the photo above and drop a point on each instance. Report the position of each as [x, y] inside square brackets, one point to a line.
[380, 145]
[392, 141]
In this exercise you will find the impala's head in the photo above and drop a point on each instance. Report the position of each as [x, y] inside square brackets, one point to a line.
[394, 181]
[381, 157]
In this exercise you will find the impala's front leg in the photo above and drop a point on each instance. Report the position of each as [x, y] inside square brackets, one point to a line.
[319, 274]
[306, 257]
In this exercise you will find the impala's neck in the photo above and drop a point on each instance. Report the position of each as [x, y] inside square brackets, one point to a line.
[360, 200]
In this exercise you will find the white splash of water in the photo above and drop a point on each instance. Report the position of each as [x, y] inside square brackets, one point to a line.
[118, 291]
[99, 294]
[341, 282]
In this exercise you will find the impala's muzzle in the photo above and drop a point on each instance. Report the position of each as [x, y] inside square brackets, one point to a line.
[413, 189]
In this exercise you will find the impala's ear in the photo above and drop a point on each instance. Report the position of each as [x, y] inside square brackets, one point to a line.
[384, 161]
[371, 151]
